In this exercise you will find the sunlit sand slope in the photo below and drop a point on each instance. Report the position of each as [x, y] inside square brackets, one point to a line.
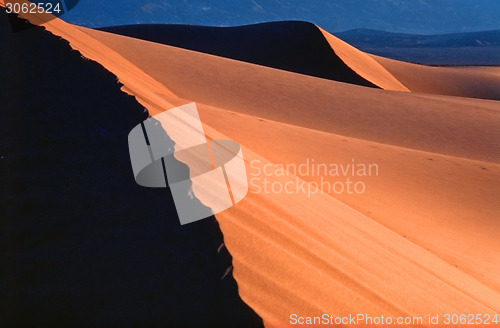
[474, 82]
[420, 241]
[437, 125]
[363, 64]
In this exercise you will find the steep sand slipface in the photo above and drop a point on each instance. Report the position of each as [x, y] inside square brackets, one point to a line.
[307, 49]
[310, 261]
[474, 82]
[389, 74]
[445, 204]
[293, 46]
[399, 119]
[314, 255]
[363, 64]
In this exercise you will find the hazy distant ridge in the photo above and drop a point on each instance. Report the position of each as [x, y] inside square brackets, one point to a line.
[376, 38]
[405, 16]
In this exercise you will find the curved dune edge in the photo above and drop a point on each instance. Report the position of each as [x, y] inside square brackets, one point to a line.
[132, 78]
[456, 226]
[473, 82]
[363, 64]
[315, 255]
[293, 260]
[295, 254]
[293, 46]
[455, 127]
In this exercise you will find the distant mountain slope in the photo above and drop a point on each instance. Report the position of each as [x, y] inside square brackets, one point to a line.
[297, 47]
[408, 16]
[367, 37]
[474, 48]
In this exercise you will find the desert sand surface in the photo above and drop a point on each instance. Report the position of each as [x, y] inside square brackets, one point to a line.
[422, 239]
[294, 46]
[400, 119]
[473, 82]
[363, 64]
[82, 244]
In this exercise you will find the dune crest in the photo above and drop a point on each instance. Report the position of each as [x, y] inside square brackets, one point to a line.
[363, 64]
[312, 254]
[473, 82]
[126, 72]
[401, 119]
[294, 46]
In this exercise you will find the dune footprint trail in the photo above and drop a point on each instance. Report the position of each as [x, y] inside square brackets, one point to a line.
[310, 254]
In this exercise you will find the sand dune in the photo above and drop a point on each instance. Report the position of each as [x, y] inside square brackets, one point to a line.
[422, 239]
[307, 49]
[329, 259]
[474, 82]
[400, 119]
[296, 46]
[293, 46]
[389, 74]
[363, 64]
[421, 187]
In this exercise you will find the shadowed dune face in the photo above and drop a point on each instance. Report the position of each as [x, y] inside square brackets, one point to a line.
[298, 47]
[82, 244]
[401, 119]
[363, 64]
[423, 238]
[307, 49]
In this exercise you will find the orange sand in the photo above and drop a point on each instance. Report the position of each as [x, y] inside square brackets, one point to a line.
[422, 239]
